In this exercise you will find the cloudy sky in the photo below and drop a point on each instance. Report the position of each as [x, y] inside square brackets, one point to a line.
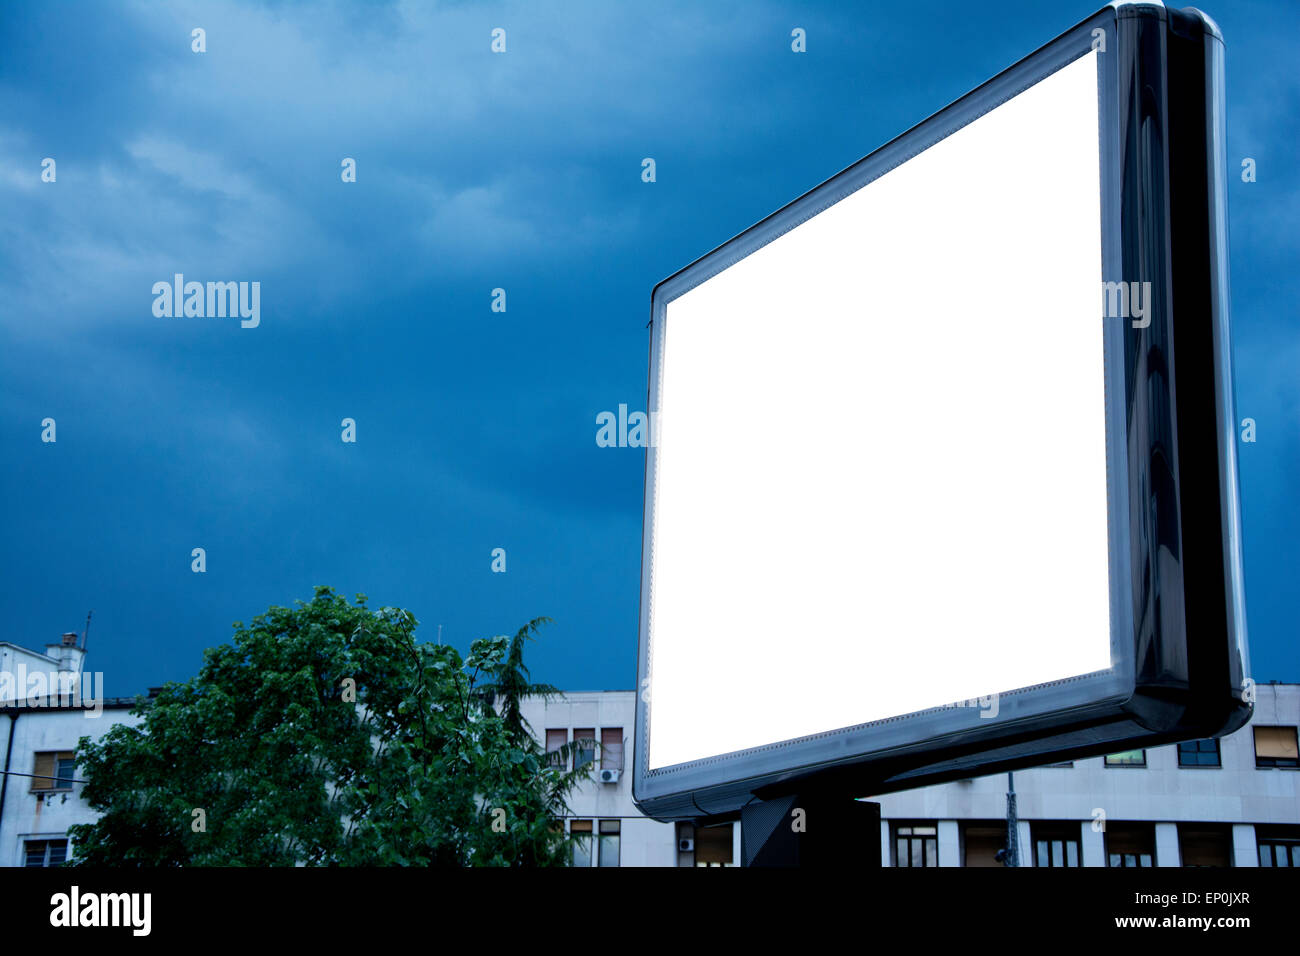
[475, 171]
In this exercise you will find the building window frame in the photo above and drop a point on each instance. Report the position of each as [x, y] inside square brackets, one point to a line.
[1279, 845]
[556, 739]
[1194, 838]
[582, 832]
[1053, 842]
[715, 841]
[1196, 748]
[584, 756]
[1140, 835]
[1125, 758]
[1277, 763]
[612, 746]
[609, 840]
[54, 771]
[49, 847]
[1279, 851]
[911, 836]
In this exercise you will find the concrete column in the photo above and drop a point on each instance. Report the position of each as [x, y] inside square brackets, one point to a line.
[1092, 845]
[949, 843]
[1245, 852]
[735, 844]
[1025, 842]
[884, 843]
[1167, 851]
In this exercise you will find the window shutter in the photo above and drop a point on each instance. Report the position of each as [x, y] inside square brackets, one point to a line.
[1276, 742]
[43, 773]
[611, 748]
[555, 739]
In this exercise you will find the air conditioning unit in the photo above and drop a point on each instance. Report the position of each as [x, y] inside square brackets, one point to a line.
[610, 776]
[686, 845]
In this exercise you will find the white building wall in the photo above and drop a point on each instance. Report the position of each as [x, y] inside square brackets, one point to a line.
[18, 663]
[949, 843]
[1244, 848]
[1162, 792]
[1167, 852]
[1092, 844]
[643, 842]
[28, 815]
[1024, 847]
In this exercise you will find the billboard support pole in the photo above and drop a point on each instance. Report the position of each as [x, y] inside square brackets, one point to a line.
[811, 829]
[1013, 825]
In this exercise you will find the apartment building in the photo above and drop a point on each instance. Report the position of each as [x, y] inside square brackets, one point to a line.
[47, 703]
[1228, 802]
[610, 830]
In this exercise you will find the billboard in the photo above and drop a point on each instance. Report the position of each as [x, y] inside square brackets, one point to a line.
[942, 477]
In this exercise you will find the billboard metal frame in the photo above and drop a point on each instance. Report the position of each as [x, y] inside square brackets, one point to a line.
[1178, 636]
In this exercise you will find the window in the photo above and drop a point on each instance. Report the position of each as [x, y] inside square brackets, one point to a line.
[1130, 844]
[1199, 753]
[1278, 846]
[555, 741]
[982, 841]
[713, 845]
[584, 742]
[916, 845]
[611, 748]
[45, 852]
[1279, 853]
[1276, 747]
[1056, 844]
[1129, 758]
[54, 770]
[1205, 845]
[609, 833]
[581, 831]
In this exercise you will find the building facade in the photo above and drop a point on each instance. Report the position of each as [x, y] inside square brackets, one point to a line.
[47, 704]
[1228, 802]
[610, 830]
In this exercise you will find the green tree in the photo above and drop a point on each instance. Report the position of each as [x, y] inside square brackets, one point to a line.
[326, 734]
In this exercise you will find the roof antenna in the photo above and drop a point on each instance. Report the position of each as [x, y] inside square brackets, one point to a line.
[86, 633]
[439, 633]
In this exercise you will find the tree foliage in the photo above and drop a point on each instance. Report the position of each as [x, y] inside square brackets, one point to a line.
[326, 734]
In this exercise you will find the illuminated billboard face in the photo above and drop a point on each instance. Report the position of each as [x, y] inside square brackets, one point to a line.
[863, 429]
[890, 498]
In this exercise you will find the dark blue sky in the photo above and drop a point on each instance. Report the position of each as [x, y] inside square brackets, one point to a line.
[476, 429]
